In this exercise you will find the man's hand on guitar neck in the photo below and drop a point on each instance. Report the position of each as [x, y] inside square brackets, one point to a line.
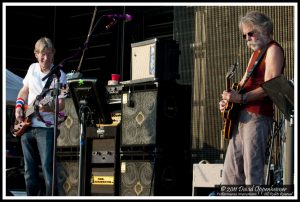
[46, 108]
[50, 107]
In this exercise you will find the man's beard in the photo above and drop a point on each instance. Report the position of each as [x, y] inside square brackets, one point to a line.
[260, 42]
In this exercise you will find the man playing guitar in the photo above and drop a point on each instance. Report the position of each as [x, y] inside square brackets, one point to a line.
[38, 141]
[245, 155]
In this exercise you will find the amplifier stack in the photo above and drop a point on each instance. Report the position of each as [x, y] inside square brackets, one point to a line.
[155, 140]
[155, 127]
[103, 157]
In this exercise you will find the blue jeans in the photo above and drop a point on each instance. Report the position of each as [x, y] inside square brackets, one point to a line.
[37, 146]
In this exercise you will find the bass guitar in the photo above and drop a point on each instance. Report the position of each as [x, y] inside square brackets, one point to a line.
[19, 128]
[230, 113]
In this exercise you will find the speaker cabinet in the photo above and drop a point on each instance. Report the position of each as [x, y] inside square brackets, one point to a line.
[155, 59]
[70, 129]
[156, 115]
[155, 175]
[67, 177]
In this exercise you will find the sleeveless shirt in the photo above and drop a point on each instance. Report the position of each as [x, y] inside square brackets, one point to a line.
[264, 106]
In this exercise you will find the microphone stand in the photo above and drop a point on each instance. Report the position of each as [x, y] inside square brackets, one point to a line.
[56, 132]
[55, 72]
[82, 156]
[88, 37]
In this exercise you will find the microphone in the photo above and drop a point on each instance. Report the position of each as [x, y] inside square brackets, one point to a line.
[125, 17]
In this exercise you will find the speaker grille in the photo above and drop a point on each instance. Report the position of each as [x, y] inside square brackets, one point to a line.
[67, 178]
[152, 117]
[139, 121]
[136, 178]
[155, 174]
[69, 129]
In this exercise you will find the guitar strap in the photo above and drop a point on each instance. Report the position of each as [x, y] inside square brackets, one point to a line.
[256, 63]
[39, 98]
[45, 89]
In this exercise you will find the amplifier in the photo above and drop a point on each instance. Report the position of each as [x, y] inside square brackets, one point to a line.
[205, 177]
[114, 89]
[114, 94]
[155, 59]
[103, 156]
[104, 130]
[102, 182]
[103, 151]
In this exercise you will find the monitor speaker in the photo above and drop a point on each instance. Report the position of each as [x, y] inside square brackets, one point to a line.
[206, 178]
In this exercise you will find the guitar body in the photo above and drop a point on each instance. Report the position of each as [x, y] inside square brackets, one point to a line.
[20, 127]
[230, 115]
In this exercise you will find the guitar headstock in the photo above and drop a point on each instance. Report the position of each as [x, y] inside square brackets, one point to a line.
[64, 91]
[232, 70]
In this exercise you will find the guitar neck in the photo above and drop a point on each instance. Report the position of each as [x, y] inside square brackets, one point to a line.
[29, 111]
[227, 85]
[44, 101]
[229, 75]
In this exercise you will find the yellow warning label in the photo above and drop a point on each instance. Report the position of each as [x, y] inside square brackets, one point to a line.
[103, 180]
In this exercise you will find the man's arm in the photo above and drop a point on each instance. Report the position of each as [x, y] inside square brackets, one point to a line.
[23, 93]
[274, 63]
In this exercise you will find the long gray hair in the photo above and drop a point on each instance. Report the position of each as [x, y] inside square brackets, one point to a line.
[260, 21]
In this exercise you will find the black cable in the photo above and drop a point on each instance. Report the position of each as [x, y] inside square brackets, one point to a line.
[153, 173]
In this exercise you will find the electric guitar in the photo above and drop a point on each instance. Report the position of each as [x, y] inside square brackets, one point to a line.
[231, 110]
[19, 128]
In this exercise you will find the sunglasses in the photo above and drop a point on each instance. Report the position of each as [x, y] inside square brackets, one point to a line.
[250, 34]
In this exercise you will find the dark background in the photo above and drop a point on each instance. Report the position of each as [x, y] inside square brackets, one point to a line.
[108, 50]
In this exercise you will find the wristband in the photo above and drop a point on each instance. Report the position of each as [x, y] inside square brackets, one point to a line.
[244, 98]
[20, 103]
